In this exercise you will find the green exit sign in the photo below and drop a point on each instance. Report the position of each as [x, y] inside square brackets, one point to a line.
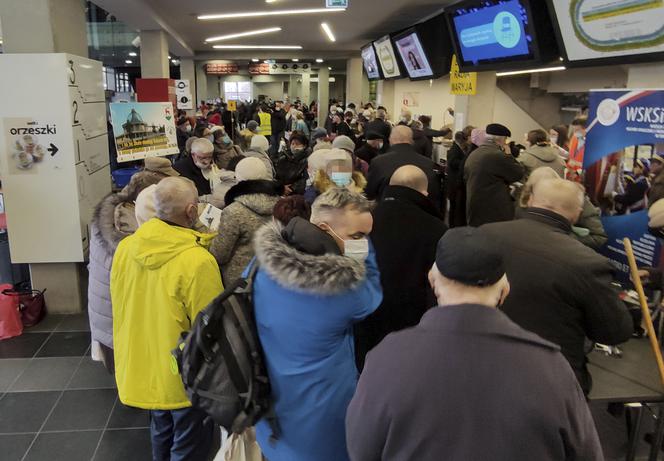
[336, 3]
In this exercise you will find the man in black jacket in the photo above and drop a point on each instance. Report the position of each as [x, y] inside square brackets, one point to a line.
[467, 383]
[561, 289]
[198, 165]
[401, 153]
[489, 170]
[379, 125]
[407, 228]
[278, 125]
[371, 148]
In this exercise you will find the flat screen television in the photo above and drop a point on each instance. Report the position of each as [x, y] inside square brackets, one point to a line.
[371, 66]
[500, 34]
[607, 31]
[386, 57]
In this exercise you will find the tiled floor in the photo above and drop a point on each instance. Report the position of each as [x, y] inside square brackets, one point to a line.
[57, 404]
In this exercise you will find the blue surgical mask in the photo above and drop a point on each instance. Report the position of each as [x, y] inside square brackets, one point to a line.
[341, 179]
[226, 139]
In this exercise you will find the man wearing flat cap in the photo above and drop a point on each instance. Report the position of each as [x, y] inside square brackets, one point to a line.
[372, 147]
[488, 172]
[470, 378]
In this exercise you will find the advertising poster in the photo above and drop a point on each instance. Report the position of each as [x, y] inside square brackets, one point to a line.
[143, 129]
[32, 145]
[593, 29]
[625, 130]
[388, 61]
[462, 82]
[413, 56]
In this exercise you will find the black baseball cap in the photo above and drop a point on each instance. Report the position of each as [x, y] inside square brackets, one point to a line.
[466, 255]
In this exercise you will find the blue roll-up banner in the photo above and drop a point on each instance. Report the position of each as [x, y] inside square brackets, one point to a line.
[623, 125]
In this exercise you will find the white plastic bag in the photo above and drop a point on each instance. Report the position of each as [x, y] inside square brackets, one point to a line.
[240, 448]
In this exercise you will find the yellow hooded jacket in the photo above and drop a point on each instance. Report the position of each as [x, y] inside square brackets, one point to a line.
[161, 277]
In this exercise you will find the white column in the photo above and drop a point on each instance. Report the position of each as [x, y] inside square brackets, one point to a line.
[201, 82]
[385, 96]
[354, 81]
[305, 95]
[323, 94]
[645, 75]
[154, 54]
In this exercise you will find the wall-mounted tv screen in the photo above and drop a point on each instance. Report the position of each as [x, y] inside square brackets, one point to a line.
[412, 54]
[370, 62]
[598, 31]
[498, 34]
[387, 58]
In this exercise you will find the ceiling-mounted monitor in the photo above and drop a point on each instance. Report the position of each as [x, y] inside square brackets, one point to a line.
[594, 32]
[387, 58]
[414, 59]
[370, 62]
[500, 34]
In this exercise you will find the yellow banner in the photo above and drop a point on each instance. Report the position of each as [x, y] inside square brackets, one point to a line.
[462, 82]
[232, 106]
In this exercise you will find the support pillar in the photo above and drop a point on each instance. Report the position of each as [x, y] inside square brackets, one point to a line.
[201, 83]
[354, 81]
[477, 110]
[323, 94]
[188, 72]
[154, 54]
[385, 96]
[305, 94]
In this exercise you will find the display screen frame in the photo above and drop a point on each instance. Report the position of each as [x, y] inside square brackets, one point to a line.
[407, 33]
[534, 57]
[378, 65]
[622, 59]
[397, 62]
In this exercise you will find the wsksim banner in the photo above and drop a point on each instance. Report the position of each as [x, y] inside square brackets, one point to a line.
[625, 132]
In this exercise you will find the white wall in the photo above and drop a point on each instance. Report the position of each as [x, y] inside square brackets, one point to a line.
[508, 113]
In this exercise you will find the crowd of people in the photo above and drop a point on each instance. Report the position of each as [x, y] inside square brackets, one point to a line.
[467, 326]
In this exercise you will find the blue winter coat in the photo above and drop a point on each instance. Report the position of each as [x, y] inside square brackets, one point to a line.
[305, 309]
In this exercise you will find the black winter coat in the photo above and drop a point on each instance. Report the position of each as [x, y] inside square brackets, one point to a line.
[560, 288]
[186, 167]
[380, 126]
[367, 153]
[406, 231]
[278, 122]
[439, 391]
[488, 172]
[383, 167]
[422, 144]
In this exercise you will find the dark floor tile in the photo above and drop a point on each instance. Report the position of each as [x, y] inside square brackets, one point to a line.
[125, 444]
[48, 374]
[64, 446]
[127, 417]
[66, 345]
[92, 375]
[22, 347]
[79, 410]
[10, 369]
[25, 411]
[14, 446]
[48, 324]
[74, 322]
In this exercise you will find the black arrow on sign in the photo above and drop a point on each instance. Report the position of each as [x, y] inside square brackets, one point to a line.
[53, 150]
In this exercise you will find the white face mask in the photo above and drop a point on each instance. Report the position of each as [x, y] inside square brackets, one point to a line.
[355, 249]
[380, 146]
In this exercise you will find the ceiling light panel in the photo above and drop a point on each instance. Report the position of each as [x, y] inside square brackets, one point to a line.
[328, 32]
[258, 14]
[257, 47]
[243, 34]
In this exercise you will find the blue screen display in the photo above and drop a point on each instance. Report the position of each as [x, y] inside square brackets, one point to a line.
[492, 30]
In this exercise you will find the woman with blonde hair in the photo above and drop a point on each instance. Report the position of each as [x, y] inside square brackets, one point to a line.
[333, 168]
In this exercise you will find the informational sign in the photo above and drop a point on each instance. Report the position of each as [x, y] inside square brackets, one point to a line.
[232, 106]
[211, 217]
[31, 146]
[624, 125]
[182, 87]
[462, 83]
[596, 29]
[143, 129]
[411, 99]
[336, 3]
[185, 101]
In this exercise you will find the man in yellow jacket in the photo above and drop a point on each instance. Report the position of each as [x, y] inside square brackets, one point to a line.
[162, 276]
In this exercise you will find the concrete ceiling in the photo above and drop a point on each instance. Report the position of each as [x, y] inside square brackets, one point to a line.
[363, 21]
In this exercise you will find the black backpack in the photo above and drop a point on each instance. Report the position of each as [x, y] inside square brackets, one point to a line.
[221, 361]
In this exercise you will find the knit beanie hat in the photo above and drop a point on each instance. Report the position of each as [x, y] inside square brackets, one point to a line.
[145, 208]
[251, 168]
[260, 143]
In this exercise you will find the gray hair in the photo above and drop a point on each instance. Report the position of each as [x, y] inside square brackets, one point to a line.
[172, 196]
[338, 199]
[202, 146]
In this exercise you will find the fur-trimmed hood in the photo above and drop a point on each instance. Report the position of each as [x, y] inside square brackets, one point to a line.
[324, 275]
[258, 195]
[104, 220]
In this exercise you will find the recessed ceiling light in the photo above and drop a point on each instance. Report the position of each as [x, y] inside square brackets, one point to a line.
[132, 53]
[329, 68]
[256, 14]
[257, 47]
[328, 32]
[129, 61]
[530, 71]
[295, 60]
[174, 61]
[254, 60]
[243, 34]
[319, 60]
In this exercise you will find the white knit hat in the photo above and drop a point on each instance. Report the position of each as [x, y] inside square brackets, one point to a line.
[251, 168]
[259, 142]
[145, 208]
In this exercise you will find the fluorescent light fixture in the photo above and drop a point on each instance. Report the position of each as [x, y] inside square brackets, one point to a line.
[530, 71]
[257, 14]
[129, 61]
[329, 68]
[295, 60]
[328, 32]
[174, 61]
[319, 60]
[132, 53]
[257, 47]
[254, 60]
[243, 34]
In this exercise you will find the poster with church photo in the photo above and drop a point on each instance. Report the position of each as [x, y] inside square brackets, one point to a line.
[143, 129]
